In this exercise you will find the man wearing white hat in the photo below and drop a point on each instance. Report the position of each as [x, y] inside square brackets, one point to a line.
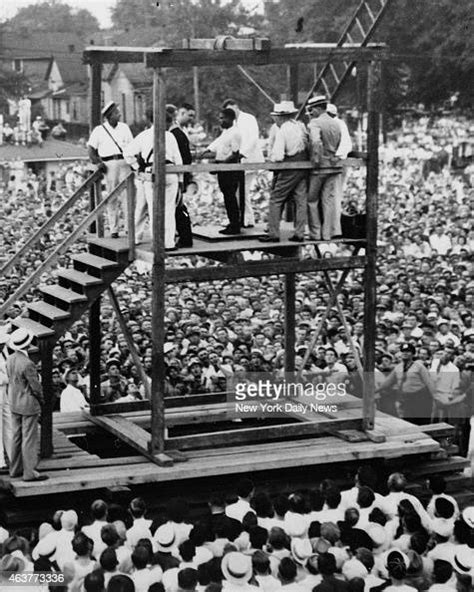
[106, 144]
[290, 144]
[324, 189]
[237, 570]
[26, 400]
[5, 414]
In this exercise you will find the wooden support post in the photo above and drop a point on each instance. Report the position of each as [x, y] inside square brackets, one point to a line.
[131, 217]
[47, 411]
[290, 291]
[293, 83]
[94, 311]
[373, 98]
[95, 352]
[197, 103]
[242, 189]
[157, 444]
[130, 343]
[95, 116]
[256, 84]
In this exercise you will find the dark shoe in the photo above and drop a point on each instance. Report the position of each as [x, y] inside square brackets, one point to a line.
[337, 236]
[296, 239]
[168, 249]
[249, 225]
[114, 235]
[37, 478]
[229, 230]
[180, 245]
[268, 239]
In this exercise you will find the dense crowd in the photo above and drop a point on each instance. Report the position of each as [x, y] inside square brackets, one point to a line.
[214, 330]
[365, 538]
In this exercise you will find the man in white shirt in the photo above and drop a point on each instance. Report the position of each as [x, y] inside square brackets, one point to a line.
[72, 398]
[237, 510]
[106, 145]
[440, 242]
[290, 144]
[345, 145]
[446, 379]
[250, 151]
[226, 149]
[99, 511]
[139, 154]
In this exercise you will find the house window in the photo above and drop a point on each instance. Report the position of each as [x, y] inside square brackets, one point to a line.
[74, 110]
[124, 107]
[18, 65]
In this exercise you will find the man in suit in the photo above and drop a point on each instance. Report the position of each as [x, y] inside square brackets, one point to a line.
[324, 189]
[26, 400]
[184, 117]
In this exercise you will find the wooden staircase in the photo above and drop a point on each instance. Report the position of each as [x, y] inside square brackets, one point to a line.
[78, 287]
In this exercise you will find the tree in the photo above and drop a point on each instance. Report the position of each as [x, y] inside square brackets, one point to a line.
[54, 16]
[12, 86]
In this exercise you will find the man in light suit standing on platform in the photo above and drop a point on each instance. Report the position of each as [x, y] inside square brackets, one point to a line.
[106, 144]
[26, 400]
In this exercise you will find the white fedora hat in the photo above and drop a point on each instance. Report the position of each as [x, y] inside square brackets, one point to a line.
[20, 339]
[237, 568]
[284, 108]
[317, 100]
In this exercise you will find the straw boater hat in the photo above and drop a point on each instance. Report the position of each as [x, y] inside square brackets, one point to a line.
[165, 538]
[284, 108]
[237, 568]
[107, 110]
[20, 339]
[317, 100]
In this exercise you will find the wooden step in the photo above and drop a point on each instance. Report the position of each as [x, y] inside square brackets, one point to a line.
[61, 297]
[92, 264]
[37, 329]
[46, 313]
[118, 245]
[77, 280]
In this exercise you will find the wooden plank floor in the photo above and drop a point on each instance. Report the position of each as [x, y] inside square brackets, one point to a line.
[82, 471]
[246, 242]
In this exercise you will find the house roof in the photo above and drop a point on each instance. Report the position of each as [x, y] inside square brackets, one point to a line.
[51, 150]
[65, 48]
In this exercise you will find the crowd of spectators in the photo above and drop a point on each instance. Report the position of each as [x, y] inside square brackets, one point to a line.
[319, 540]
[215, 330]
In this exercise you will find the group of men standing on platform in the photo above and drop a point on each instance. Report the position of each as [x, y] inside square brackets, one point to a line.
[317, 195]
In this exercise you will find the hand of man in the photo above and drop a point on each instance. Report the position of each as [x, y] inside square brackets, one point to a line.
[102, 167]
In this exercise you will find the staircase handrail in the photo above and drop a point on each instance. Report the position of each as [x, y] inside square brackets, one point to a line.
[67, 205]
[60, 249]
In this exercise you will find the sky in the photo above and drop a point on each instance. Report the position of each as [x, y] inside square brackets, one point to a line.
[99, 8]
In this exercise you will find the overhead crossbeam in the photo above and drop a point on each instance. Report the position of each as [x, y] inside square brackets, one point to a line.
[162, 57]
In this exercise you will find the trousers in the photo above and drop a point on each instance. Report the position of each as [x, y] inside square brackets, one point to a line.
[325, 192]
[288, 184]
[25, 446]
[228, 184]
[144, 207]
[117, 170]
[5, 426]
[246, 185]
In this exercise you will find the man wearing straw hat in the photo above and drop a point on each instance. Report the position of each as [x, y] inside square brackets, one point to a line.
[290, 145]
[5, 415]
[26, 399]
[106, 144]
[325, 190]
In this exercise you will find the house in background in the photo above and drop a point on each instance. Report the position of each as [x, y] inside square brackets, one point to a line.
[53, 65]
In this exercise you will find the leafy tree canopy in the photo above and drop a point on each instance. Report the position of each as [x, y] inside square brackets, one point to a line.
[54, 16]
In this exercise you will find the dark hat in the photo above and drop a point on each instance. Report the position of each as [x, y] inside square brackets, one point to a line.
[112, 362]
[408, 347]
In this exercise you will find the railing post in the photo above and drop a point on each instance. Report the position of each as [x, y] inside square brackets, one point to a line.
[131, 216]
